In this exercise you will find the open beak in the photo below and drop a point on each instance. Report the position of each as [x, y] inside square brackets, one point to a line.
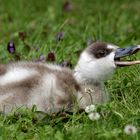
[122, 52]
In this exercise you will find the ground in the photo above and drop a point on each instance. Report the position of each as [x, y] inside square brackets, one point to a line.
[57, 31]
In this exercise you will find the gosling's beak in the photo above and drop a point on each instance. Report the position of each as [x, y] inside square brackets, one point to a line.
[122, 52]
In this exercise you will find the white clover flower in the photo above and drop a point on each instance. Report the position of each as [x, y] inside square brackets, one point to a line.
[90, 108]
[94, 116]
[130, 129]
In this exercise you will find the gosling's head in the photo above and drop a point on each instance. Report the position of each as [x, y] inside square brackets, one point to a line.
[98, 61]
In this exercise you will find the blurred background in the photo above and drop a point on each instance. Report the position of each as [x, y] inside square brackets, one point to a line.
[65, 26]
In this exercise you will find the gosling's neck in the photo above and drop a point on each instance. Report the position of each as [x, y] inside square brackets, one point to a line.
[92, 90]
[85, 74]
[85, 80]
[90, 81]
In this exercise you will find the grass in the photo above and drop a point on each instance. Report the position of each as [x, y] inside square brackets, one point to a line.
[112, 21]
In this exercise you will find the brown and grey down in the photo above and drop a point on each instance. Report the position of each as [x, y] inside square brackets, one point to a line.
[53, 88]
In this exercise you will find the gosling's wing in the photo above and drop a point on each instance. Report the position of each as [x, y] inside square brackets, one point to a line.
[16, 83]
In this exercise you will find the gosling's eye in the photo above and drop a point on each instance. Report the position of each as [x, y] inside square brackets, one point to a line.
[102, 53]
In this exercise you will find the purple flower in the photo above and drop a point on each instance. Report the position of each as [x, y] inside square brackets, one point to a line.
[42, 58]
[67, 6]
[11, 47]
[66, 64]
[51, 56]
[60, 36]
